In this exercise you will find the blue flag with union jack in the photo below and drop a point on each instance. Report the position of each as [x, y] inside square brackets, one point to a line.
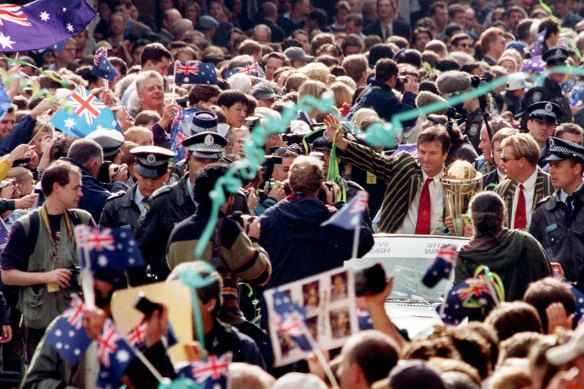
[82, 113]
[42, 23]
[253, 69]
[115, 355]
[105, 248]
[194, 72]
[352, 213]
[210, 373]
[102, 67]
[67, 335]
[180, 130]
[290, 320]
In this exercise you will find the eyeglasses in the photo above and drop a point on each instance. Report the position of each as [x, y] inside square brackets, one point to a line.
[507, 159]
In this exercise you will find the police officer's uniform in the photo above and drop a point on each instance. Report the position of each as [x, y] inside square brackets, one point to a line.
[558, 221]
[550, 90]
[122, 210]
[548, 112]
[172, 204]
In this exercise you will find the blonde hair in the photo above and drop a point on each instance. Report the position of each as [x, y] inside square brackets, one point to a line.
[342, 92]
[316, 71]
[312, 88]
[523, 146]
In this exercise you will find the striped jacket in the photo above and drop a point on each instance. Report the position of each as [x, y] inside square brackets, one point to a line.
[506, 189]
[403, 176]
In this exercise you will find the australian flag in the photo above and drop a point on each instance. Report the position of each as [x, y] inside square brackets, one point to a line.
[67, 336]
[115, 355]
[82, 113]
[181, 129]
[108, 248]
[441, 266]
[290, 319]
[352, 214]
[102, 67]
[253, 69]
[42, 23]
[210, 373]
[194, 72]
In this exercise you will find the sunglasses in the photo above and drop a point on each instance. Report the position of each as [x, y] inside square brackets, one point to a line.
[507, 159]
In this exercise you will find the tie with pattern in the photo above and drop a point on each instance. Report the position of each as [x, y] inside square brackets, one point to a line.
[521, 212]
[424, 210]
[569, 210]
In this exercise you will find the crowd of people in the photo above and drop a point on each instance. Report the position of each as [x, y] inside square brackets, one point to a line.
[363, 62]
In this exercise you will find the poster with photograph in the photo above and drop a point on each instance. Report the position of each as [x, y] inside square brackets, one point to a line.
[318, 310]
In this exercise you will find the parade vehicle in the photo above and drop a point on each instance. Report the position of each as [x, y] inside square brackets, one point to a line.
[411, 306]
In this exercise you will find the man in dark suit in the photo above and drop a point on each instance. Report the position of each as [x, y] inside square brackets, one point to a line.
[414, 197]
[525, 184]
[388, 23]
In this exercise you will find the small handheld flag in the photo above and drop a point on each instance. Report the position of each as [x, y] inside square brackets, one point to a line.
[194, 72]
[82, 113]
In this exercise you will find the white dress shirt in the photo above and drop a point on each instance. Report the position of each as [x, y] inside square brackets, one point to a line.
[436, 189]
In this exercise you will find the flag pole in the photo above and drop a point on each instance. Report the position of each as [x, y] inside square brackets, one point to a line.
[356, 241]
[320, 356]
[173, 83]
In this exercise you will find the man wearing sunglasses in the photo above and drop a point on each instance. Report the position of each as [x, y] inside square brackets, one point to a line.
[525, 184]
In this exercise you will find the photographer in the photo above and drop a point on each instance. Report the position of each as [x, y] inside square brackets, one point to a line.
[275, 176]
[291, 230]
[379, 94]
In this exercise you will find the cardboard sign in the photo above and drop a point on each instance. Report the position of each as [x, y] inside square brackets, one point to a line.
[175, 295]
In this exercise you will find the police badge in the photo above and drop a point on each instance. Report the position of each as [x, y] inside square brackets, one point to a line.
[537, 96]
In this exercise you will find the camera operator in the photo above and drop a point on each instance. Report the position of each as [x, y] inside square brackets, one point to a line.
[275, 176]
[379, 94]
[291, 230]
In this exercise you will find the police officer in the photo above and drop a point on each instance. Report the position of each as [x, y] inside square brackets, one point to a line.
[558, 223]
[173, 203]
[551, 90]
[542, 119]
[124, 209]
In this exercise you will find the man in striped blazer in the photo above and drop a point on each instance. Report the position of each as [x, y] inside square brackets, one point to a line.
[525, 183]
[414, 198]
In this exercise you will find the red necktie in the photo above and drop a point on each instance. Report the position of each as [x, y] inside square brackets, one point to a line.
[424, 210]
[520, 212]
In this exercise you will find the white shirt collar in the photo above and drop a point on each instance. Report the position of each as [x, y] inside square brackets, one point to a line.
[529, 184]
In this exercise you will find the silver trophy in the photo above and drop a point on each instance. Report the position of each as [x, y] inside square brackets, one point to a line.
[460, 181]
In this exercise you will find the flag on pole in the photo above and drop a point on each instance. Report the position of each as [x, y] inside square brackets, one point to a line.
[441, 266]
[42, 23]
[82, 113]
[67, 335]
[290, 320]
[210, 373]
[352, 213]
[102, 67]
[194, 72]
[180, 130]
[253, 69]
[115, 355]
[108, 248]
